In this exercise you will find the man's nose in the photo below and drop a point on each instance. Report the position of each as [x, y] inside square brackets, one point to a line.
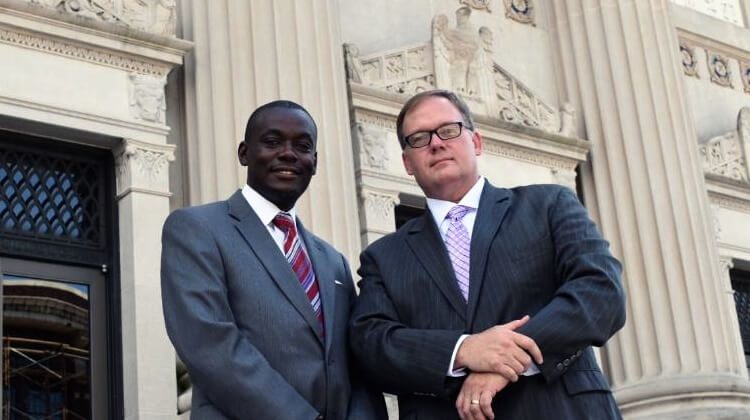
[287, 151]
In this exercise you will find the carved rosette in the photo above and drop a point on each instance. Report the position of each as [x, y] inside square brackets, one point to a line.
[689, 62]
[146, 95]
[745, 72]
[372, 146]
[143, 167]
[153, 16]
[478, 4]
[520, 10]
[718, 68]
[380, 210]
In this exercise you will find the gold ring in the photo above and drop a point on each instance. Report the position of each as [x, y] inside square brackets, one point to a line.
[474, 402]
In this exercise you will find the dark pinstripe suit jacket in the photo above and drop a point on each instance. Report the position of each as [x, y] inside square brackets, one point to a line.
[534, 251]
[244, 327]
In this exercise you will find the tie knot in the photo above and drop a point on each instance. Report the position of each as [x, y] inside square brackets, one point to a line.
[284, 222]
[457, 213]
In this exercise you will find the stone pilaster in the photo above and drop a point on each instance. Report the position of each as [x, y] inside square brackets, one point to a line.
[251, 52]
[149, 384]
[620, 66]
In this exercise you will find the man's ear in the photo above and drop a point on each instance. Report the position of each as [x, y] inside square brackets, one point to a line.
[407, 164]
[315, 163]
[478, 143]
[241, 153]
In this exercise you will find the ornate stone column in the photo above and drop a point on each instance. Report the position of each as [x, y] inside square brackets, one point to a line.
[619, 65]
[143, 205]
[251, 52]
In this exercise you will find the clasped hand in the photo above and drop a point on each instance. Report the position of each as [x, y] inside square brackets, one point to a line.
[495, 357]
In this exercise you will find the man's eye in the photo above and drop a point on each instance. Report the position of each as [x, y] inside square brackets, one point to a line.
[271, 141]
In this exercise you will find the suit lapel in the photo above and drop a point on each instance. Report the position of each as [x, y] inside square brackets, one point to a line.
[262, 244]
[324, 274]
[427, 245]
[493, 206]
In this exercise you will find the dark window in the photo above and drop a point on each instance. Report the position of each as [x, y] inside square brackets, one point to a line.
[61, 352]
[741, 286]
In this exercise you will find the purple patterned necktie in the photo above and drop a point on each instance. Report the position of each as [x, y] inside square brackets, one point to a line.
[300, 263]
[458, 243]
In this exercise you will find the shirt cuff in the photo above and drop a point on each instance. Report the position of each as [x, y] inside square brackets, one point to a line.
[456, 373]
[531, 371]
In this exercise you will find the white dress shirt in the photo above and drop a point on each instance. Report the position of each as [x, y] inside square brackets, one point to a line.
[439, 209]
[266, 211]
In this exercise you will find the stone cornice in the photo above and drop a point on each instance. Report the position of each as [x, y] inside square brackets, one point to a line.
[727, 193]
[152, 54]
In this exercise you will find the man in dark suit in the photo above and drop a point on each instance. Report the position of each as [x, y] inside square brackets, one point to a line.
[256, 305]
[487, 305]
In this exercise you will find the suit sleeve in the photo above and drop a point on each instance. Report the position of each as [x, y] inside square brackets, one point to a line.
[589, 305]
[366, 402]
[399, 359]
[222, 362]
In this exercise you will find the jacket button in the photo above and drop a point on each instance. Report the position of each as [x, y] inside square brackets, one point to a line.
[560, 366]
[579, 353]
[320, 417]
[566, 362]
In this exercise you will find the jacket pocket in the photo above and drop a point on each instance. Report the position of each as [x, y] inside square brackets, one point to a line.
[580, 381]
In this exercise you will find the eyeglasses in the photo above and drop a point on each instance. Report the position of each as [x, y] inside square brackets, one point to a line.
[444, 132]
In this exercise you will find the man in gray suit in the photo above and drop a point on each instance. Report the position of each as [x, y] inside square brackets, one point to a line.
[256, 305]
[487, 305]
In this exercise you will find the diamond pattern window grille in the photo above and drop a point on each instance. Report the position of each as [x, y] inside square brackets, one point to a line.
[50, 197]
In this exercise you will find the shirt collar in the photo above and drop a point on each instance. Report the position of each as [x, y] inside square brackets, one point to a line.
[440, 208]
[265, 209]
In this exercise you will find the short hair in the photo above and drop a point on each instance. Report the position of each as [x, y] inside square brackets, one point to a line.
[421, 97]
[282, 103]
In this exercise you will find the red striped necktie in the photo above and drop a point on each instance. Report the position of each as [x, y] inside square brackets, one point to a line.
[297, 256]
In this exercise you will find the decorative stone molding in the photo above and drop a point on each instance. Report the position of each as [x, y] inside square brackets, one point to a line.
[726, 263]
[520, 10]
[373, 152]
[718, 68]
[153, 16]
[724, 155]
[745, 73]
[143, 167]
[478, 4]
[86, 53]
[380, 210]
[147, 100]
[535, 157]
[406, 71]
[730, 203]
[689, 62]
[376, 120]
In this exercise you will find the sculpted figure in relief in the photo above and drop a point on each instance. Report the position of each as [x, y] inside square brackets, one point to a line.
[147, 101]
[460, 54]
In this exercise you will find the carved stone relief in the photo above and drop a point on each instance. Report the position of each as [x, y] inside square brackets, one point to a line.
[689, 62]
[745, 72]
[147, 100]
[478, 4]
[153, 16]
[372, 141]
[380, 210]
[459, 59]
[724, 155]
[727, 10]
[520, 11]
[143, 167]
[718, 68]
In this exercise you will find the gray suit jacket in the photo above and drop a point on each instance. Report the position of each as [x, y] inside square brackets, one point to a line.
[533, 251]
[244, 327]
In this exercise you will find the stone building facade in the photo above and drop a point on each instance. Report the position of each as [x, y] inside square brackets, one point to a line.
[642, 107]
